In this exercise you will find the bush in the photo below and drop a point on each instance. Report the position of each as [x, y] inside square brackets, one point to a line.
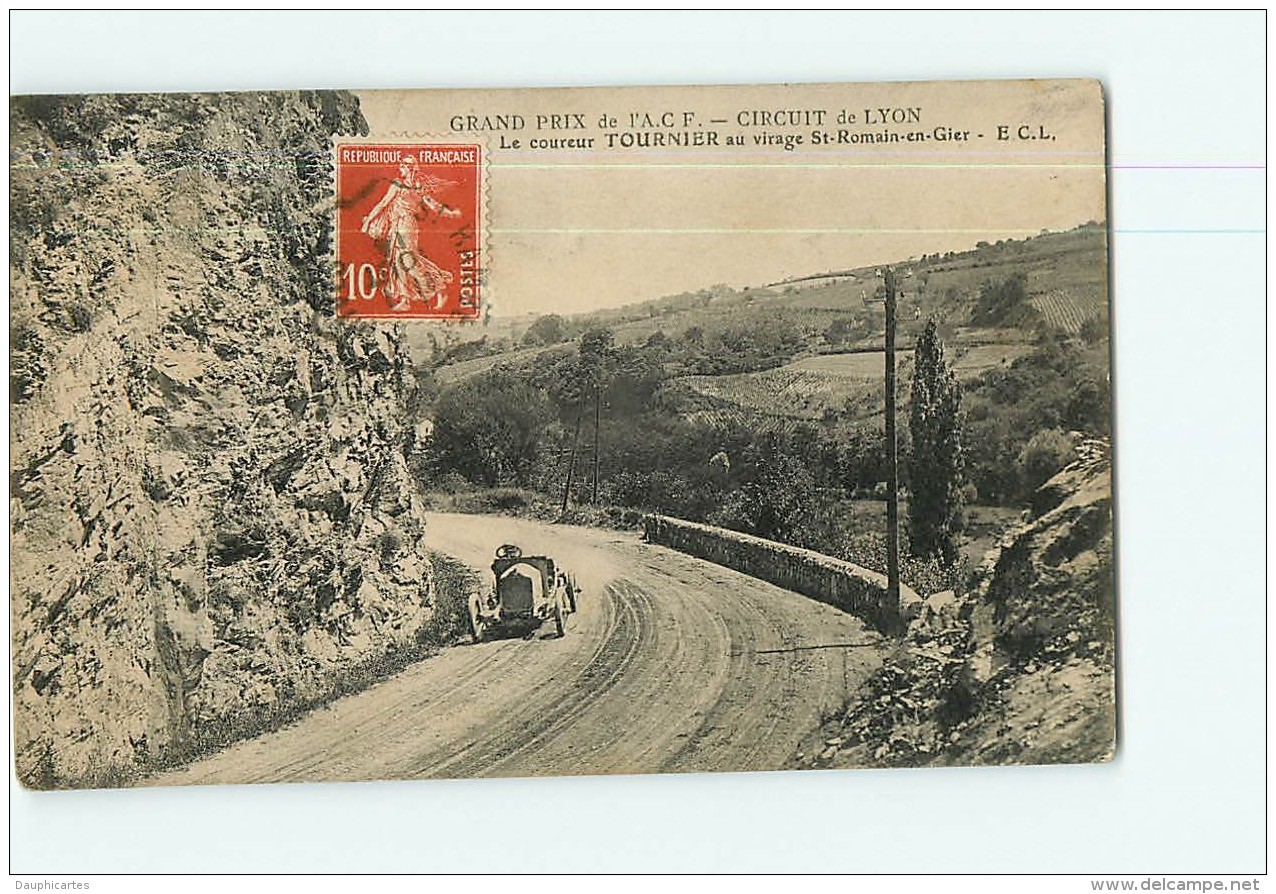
[776, 502]
[546, 330]
[488, 429]
[1004, 303]
[1055, 388]
[507, 498]
[1045, 454]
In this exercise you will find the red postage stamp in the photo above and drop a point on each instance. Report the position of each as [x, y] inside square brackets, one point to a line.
[408, 230]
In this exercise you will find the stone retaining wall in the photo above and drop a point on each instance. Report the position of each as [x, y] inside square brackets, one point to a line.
[847, 586]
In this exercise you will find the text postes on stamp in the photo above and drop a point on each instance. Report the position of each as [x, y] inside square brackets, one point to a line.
[408, 230]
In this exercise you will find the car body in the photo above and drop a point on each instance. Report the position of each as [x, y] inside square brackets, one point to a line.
[526, 592]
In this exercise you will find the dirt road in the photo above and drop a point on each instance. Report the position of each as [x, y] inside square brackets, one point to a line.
[672, 664]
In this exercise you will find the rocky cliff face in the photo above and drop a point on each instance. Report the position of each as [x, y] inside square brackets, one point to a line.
[1020, 670]
[212, 521]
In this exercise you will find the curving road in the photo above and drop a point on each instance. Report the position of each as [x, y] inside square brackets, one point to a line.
[672, 664]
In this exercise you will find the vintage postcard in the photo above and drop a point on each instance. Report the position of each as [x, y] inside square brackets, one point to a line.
[426, 434]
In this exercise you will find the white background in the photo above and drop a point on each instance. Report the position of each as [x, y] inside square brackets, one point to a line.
[1187, 790]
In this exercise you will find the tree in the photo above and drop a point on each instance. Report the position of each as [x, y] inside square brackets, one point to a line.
[1004, 303]
[546, 330]
[579, 386]
[488, 428]
[777, 498]
[597, 361]
[840, 330]
[575, 377]
[597, 347]
[935, 469]
[659, 340]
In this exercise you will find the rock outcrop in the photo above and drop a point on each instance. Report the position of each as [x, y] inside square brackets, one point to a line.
[212, 520]
[1019, 671]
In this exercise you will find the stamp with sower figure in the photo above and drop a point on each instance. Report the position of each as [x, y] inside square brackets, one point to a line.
[408, 230]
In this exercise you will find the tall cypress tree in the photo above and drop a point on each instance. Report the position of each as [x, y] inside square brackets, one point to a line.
[935, 467]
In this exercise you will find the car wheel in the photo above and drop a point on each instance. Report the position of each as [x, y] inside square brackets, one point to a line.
[477, 627]
[571, 597]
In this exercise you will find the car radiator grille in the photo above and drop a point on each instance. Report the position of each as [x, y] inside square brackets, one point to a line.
[516, 594]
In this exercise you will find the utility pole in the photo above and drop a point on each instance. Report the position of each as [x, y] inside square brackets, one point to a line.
[571, 463]
[597, 426]
[892, 453]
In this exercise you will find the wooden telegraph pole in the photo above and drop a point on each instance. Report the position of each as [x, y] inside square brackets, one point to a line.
[892, 452]
[597, 428]
[571, 463]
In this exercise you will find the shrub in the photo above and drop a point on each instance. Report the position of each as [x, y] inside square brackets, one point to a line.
[488, 428]
[1004, 303]
[1043, 456]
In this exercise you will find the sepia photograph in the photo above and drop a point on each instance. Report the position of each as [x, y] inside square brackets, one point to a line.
[637, 442]
[451, 434]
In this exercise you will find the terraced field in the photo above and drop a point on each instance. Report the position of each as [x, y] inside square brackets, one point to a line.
[805, 389]
[808, 389]
[1068, 309]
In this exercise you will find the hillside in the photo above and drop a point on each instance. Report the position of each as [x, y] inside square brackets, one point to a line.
[823, 387]
[1065, 285]
[212, 521]
[702, 393]
[1021, 669]
[1066, 271]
